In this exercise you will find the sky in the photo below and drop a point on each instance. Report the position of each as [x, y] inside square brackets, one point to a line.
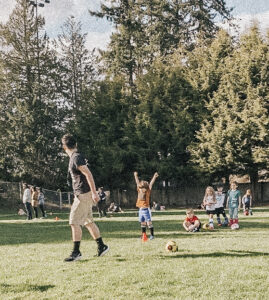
[99, 30]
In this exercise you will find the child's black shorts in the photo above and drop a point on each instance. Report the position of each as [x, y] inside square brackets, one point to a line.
[219, 210]
[210, 212]
[247, 205]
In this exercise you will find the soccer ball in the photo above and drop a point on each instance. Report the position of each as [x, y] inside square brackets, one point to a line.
[246, 212]
[206, 226]
[171, 246]
[235, 226]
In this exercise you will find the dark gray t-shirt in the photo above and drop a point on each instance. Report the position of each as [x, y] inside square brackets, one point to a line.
[79, 181]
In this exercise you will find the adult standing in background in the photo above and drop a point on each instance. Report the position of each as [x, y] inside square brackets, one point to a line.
[26, 199]
[34, 196]
[41, 202]
[85, 195]
[101, 205]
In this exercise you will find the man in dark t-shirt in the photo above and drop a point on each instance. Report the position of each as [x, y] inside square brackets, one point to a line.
[85, 196]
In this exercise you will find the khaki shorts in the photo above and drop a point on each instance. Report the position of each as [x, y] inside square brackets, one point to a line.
[81, 210]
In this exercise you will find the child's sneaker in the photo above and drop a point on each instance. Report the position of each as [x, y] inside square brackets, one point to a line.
[151, 237]
[102, 250]
[74, 256]
[225, 223]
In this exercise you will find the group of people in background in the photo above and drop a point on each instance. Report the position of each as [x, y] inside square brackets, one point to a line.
[33, 197]
[214, 204]
[102, 207]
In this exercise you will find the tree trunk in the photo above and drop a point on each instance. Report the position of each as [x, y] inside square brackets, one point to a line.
[254, 186]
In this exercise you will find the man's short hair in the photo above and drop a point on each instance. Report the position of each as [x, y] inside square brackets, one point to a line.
[69, 141]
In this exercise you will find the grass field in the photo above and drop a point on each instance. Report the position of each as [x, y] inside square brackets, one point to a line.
[222, 264]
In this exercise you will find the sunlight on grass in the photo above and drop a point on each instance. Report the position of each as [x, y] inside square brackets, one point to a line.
[209, 265]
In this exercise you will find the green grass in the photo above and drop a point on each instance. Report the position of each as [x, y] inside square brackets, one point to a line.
[223, 264]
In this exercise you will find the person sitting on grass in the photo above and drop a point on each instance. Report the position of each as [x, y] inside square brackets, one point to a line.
[143, 203]
[156, 206]
[247, 202]
[191, 223]
[114, 207]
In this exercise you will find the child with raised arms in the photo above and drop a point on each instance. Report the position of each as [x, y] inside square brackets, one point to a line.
[143, 203]
[191, 222]
[209, 203]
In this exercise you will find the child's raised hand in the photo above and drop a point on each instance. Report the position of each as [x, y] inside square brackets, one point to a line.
[156, 174]
[135, 173]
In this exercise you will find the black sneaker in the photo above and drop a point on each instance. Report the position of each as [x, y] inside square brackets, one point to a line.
[102, 250]
[74, 256]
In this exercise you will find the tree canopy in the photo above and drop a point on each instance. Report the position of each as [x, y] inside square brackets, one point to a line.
[172, 93]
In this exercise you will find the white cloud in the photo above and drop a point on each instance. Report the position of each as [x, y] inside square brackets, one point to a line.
[57, 12]
[6, 8]
[98, 40]
[99, 30]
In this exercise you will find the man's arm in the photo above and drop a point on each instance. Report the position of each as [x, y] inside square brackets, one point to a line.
[136, 178]
[87, 173]
[153, 180]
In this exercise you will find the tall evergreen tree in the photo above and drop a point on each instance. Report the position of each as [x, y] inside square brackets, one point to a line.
[78, 71]
[235, 140]
[121, 57]
[147, 29]
[30, 97]
[102, 133]
[166, 121]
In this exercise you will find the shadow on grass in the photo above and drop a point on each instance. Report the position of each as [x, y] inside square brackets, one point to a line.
[59, 231]
[229, 253]
[19, 288]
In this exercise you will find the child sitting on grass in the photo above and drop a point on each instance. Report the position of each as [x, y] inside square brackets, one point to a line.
[247, 202]
[191, 223]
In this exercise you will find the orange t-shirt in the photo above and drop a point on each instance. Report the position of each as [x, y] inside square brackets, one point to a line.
[143, 198]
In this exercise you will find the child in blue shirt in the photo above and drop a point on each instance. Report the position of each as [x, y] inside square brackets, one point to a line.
[233, 203]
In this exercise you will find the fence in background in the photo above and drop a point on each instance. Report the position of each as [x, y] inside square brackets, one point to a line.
[185, 196]
[11, 195]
